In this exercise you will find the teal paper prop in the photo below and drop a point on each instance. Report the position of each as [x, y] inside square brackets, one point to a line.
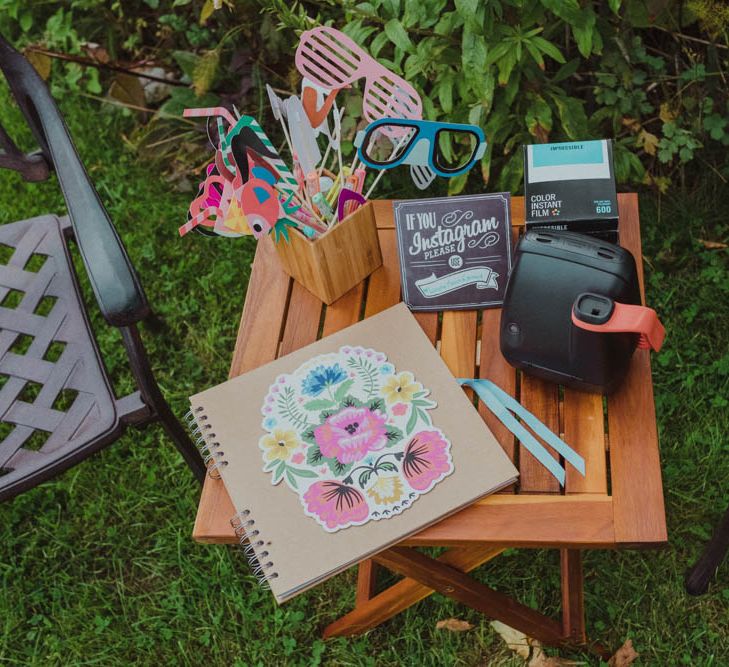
[418, 145]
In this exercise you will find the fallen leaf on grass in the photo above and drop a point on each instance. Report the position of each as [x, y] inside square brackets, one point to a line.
[712, 245]
[541, 659]
[516, 640]
[527, 648]
[453, 624]
[624, 656]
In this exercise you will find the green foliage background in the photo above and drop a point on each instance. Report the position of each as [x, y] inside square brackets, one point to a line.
[652, 74]
[98, 567]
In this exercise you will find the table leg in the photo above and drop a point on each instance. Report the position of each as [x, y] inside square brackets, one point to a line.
[447, 575]
[573, 604]
[459, 586]
[398, 597]
[366, 581]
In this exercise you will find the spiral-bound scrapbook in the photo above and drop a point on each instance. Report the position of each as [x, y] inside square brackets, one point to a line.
[336, 451]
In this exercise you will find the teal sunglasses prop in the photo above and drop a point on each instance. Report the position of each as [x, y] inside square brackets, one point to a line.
[422, 143]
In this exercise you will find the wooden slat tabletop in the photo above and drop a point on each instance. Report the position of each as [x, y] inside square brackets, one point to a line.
[619, 502]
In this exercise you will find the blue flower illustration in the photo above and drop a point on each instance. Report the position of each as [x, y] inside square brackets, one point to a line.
[387, 369]
[321, 378]
[269, 423]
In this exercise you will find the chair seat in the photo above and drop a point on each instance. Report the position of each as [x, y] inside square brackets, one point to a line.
[56, 403]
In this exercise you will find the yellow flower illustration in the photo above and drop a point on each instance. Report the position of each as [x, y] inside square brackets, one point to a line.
[279, 445]
[387, 489]
[400, 388]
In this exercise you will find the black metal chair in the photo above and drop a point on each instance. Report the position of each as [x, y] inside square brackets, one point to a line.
[701, 573]
[57, 404]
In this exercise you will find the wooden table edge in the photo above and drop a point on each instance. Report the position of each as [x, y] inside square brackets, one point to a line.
[585, 521]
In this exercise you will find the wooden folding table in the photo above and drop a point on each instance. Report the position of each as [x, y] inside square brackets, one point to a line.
[618, 503]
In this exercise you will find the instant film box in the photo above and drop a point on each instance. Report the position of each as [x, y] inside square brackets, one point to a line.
[571, 186]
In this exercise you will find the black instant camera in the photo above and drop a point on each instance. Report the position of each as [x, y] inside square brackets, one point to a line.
[572, 312]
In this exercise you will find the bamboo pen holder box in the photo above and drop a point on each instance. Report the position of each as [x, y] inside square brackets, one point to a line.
[333, 263]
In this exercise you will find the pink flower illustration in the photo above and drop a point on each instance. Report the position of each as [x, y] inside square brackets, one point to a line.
[426, 460]
[336, 504]
[351, 434]
[399, 409]
[297, 458]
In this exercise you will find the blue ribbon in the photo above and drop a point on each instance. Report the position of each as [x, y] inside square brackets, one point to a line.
[502, 405]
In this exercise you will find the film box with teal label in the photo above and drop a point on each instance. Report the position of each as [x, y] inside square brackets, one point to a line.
[571, 186]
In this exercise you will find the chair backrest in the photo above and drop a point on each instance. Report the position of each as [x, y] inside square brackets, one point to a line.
[113, 279]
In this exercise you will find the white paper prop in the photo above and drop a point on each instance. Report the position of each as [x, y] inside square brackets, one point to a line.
[352, 437]
[302, 136]
[422, 175]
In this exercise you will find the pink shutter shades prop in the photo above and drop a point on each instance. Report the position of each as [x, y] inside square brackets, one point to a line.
[330, 59]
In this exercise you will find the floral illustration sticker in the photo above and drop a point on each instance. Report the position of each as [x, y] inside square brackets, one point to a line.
[352, 437]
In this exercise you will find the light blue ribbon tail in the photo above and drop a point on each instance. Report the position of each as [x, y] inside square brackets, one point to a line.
[502, 405]
[569, 454]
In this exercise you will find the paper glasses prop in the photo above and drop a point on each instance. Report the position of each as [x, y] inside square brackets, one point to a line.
[330, 59]
[421, 145]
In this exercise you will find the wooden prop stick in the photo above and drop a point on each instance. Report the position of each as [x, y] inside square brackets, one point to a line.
[338, 129]
[277, 108]
[396, 148]
[323, 163]
[286, 135]
[355, 162]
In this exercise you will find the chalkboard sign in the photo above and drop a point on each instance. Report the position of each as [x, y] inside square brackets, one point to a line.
[455, 252]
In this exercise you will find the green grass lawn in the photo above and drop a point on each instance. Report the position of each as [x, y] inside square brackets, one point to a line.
[98, 566]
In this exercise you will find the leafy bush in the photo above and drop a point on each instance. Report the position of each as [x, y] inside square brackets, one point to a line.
[650, 75]
[531, 71]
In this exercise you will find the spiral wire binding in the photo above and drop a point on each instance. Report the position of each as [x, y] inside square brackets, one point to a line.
[252, 547]
[248, 537]
[200, 431]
